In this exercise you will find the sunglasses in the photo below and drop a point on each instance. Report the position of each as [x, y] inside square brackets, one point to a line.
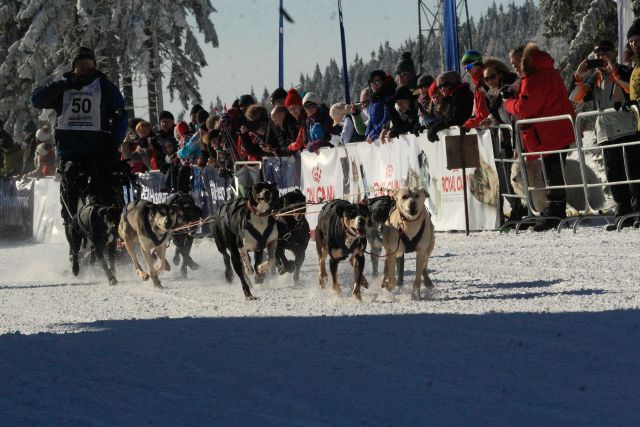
[402, 73]
[468, 66]
[309, 105]
[445, 86]
[491, 77]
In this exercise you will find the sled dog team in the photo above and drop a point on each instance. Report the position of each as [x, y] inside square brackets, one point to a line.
[263, 222]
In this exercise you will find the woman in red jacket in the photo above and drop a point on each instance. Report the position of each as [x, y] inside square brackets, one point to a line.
[542, 93]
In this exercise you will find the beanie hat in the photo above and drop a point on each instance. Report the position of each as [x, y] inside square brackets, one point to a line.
[293, 98]
[311, 98]
[634, 29]
[471, 57]
[278, 94]
[604, 46]
[196, 108]
[43, 134]
[202, 117]
[425, 81]
[433, 89]
[403, 92]
[451, 77]
[182, 128]
[405, 63]
[165, 115]
[83, 53]
[29, 126]
[377, 73]
[245, 101]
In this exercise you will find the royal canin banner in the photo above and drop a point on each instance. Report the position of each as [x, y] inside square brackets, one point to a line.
[446, 187]
[386, 167]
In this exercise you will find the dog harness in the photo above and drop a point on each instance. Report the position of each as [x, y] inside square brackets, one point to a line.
[82, 225]
[261, 238]
[357, 242]
[411, 244]
[149, 229]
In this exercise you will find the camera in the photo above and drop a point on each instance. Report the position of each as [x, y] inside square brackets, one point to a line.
[596, 63]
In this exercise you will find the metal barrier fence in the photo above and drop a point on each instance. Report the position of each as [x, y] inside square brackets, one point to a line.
[589, 212]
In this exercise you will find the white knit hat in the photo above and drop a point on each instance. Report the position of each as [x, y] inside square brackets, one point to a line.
[43, 134]
[311, 97]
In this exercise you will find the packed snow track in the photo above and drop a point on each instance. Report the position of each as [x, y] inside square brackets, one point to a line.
[528, 329]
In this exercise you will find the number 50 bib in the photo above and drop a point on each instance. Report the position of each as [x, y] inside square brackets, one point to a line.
[81, 108]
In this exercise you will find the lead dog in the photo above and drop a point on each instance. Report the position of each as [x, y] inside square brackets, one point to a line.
[293, 231]
[243, 225]
[408, 229]
[148, 224]
[98, 226]
[186, 213]
[340, 233]
[379, 210]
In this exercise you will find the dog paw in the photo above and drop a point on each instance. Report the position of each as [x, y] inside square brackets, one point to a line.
[427, 282]
[355, 294]
[259, 278]
[142, 274]
[156, 283]
[364, 283]
[264, 268]
[250, 298]
[194, 265]
[415, 295]
[249, 271]
[323, 281]
[336, 288]
[75, 267]
[176, 259]
[228, 275]
[113, 281]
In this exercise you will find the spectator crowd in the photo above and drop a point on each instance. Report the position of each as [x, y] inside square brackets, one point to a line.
[526, 86]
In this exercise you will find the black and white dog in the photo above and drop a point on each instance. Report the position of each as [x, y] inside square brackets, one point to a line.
[186, 213]
[293, 232]
[97, 227]
[340, 233]
[379, 210]
[247, 224]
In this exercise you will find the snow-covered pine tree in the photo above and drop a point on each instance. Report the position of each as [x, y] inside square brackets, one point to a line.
[45, 35]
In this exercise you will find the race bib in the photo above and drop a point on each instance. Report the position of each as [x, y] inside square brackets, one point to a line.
[81, 108]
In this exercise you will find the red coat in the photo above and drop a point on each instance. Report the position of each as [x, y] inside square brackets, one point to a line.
[542, 93]
[480, 110]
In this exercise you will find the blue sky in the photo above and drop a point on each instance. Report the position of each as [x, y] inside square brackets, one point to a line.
[248, 34]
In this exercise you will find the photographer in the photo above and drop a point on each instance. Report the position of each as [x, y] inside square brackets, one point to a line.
[252, 134]
[606, 83]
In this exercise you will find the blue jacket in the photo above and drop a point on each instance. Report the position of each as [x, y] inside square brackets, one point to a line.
[379, 112]
[191, 149]
[83, 143]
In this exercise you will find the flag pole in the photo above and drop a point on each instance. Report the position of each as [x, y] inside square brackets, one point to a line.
[281, 47]
[345, 71]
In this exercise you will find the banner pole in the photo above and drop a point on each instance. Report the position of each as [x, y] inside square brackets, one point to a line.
[345, 71]
[464, 180]
[281, 47]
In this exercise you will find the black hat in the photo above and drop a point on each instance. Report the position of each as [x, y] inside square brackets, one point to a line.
[425, 81]
[165, 115]
[196, 108]
[246, 100]
[30, 126]
[278, 94]
[377, 73]
[403, 92]
[83, 53]
[604, 46]
[634, 29]
[202, 116]
[405, 63]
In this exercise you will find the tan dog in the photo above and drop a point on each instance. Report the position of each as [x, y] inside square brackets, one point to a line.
[148, 224]
[408, 229]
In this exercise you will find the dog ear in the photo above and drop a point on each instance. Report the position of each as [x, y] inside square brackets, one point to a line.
[425, 192]
[363, 209]
[340, 210]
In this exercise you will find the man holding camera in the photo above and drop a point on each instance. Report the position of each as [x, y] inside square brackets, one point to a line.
[606, 83]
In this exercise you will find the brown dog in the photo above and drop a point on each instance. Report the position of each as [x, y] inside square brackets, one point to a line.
[408, 229]
[148, 224]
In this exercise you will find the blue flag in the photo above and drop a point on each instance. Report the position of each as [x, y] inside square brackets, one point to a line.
[451, 55]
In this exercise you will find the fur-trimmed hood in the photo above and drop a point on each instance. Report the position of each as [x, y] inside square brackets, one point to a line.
[533, 59]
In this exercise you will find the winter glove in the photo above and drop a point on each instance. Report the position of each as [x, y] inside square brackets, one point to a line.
[507, 92]
[432, 134]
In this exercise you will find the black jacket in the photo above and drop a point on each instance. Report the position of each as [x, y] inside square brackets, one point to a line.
[404, 122]
[457, 108]
[29, 154]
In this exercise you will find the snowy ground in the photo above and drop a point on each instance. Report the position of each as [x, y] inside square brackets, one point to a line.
[529, 329]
